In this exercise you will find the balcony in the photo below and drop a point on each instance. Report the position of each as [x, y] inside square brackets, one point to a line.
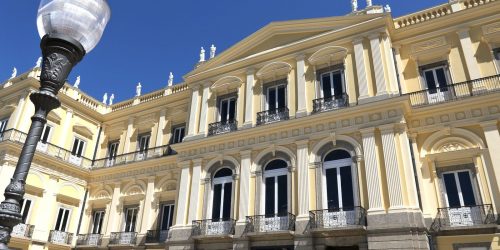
[46, 148]
[270, 223]
[338, 218]
[455, 91]
[123, 238]
[60, 237]
[156, 236]
[210, 228]
[271, 116]
[330, 103]
[89, 240]
[23, 230]
[218, 128]
[467, 217]
[136, 156]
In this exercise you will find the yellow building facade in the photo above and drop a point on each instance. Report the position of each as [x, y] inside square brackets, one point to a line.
[361, 131]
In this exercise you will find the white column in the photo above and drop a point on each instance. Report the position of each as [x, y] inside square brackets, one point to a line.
[204, 107]
[399, 64]
[469, 54]
[391, 66]
[130, 132]
[65, 133]
[404, 143]
[16, 115]
[48, 203]
[391, 166]
[161, 127]
[359, 55]
[193, 112]
[492, 136]
[249, 98]
[114, 214]
[371, 170]
[194, 198]
[303, 177]
[301, 87]
[147, 222]
[378, 64]
[246, 165]
[182, 196]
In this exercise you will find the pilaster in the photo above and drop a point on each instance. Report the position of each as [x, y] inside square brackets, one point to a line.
[113, 219]
[301, 87]
[372, 171]
[399, 65]
[249, 98]
[16, 115]
[492, 137]
[147, 222]
[469, 55]
[361, 68]
[65, 128]
[128, 136]
[204, 108]
[161, 127]
[193, 112]
[393, 174]
[390, 65]
[378, 64]
[303, 177]
[182, 196]
[246, 165]
[194, 197]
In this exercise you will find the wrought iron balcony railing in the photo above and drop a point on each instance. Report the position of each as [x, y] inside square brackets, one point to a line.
[337, 218]
[60, 237]
[89, 240]
[219, 227]
[463, 217]
[47, 148]
[270, 223]
[330, 103]
[23, 230]
[156, 236]
[274, 115]
[136, 156]
[455, 91]
[123, 238]
[218, 128]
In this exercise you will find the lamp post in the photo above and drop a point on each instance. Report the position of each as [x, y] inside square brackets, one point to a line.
[69, 29]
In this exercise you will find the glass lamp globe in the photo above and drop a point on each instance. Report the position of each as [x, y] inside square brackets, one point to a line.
[81, 20]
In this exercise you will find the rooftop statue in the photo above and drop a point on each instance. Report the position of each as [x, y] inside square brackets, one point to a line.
[170, 79]
[105, 98]
[38, 62]
[14, 73]
[354, 4]
[202, 55]
[77, 82]
[369, 3]
[387, 8]
[138, 89]
[212, 51]
[111, 98]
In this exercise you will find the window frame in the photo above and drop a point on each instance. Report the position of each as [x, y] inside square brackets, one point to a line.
[109, 154]
[275, 85]
[23, 207]
[330, 70]
[221, 181]
[475, 191]
[170, 215]
[275, 173]
[174, 130]
[83, 147]
[102, 213]
[496, 59]
[433, 66]
[63, 208]
[134, 225]
[227, 97]
[3, 124]
[49, 136]
[139, 141]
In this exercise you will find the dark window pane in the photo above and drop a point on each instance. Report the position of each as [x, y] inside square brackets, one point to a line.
[466, 186]
[101, 219]
[75, 147]
[346, 185]
[46, 133]
[337, 84]
[276, 164]
[327, 87]
[80, 149]
[165, 218]
[270, 197]
[282, 195]
[232, 109]
[441, 77]
[181, 135]
[65, 220]
[337, 155]
[171, 216]
[332, 188]
[223, 172]
[223, 110]
[216, 202]
[281, 96]
[26, 209]
[431, 83]
[451, 190]
[271, 98]
[59, 218]
[226, 210]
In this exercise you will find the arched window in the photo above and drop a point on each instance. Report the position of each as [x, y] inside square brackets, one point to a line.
[222, 187]
[338, 176]
[276, 188]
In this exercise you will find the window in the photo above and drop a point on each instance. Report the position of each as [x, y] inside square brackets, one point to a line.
[167, 216]
[97, 221]
[227, 109]
[26, 205]
[436, 78]
[276, 96]
[339, 181]
[332, 84]
[62, 219]
[143, 145]
[78, 147]
[276, 188]
[496, 55]
[178, 134]
[112, 151]
[3, 125]
[459, 190]
[222, 188]
[46, 133]
[130, 219]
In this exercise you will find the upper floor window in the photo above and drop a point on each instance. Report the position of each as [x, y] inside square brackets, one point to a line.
[78, 147]
[26, 205]
[496, 54]
[222, 188]
[178, 134]
[62, 220]
[97, 220]
[143, 144]
[46, 134]
[113, 150]
[3, 125]
[332, 83]
[130, 219]
[167, 216]
[276, 95]
[227, 109]
[437, 78]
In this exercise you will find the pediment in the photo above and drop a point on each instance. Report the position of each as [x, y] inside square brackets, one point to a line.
[226, 83]
[54, 117]
[83, 131]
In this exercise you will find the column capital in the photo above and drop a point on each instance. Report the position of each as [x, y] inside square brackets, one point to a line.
[151, 178]
[250, 71]
[386, 128]
[413, 136]
[302, 143]
[358, 40]
[489, 125]
[300, 57]
[463, 32]
[365, 132]
[195, 87]
[374, 36]
[184, 164]
[246, 153]
[197, 162]
[207, 84]
[358, 158]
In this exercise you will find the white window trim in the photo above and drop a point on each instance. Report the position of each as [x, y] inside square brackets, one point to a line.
[30, 209]
[477, 196]
[174, 139]
[67, 222]
[84, 145]
[116, 144]
[50, 132]
[446, 64]
[103, 214]
[221, 180]
[342, 74]
[219, 117]
[433, 69]
[338, 164]
[172, 207]
[3, 124]
[276, 86]
[139, 139]
[124, 227]
[496, 59]
[275, 173]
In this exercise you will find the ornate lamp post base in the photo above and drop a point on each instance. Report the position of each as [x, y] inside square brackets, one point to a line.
[60, 55]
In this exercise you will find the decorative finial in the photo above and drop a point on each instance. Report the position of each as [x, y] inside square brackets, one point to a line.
[138, 89]
[111, 98]
[212, 51]
[202, 55]
[354, 5]
[77, 82]
[105, 98]
[387, 8]
[369, 3]
[170, 79]
[14, 73]
[38, 62]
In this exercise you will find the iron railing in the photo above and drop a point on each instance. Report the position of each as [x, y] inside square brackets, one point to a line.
[47, 148]
[23, 230]
[455, 91]
[156, 236]
[337, 218]
[270, 223]
[274, 115]
[89, 240]
[136, 156]
[60, 237]
[330, 103]
[123, 238]
[218, 128]
[466, 216]
[218, 227]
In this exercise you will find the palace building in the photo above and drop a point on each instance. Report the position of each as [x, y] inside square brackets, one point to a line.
[363, 131]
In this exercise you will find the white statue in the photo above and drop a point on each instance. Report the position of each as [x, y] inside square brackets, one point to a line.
[111, 98]
[38, 62]
[105, 98]
[354, 5]
[170, 79]
[77, 82]
[14, 73]
[138, 89]
[202, 55]
[387, 8]
[369, 3]
[212, 51]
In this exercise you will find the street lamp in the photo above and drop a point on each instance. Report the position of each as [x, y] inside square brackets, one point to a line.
[69, 29]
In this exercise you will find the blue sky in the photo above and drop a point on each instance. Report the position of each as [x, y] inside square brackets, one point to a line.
[147, 39]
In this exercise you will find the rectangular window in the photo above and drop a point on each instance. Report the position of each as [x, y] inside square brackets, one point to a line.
[436, 77]
[130, 219]
[332, 84]
[178, 134]
[459, 190]
[97, 220]
[113, 149]
[167, 216]
[62, 220]
[143, 144]
[26, 205]
[46, 133]
[227, 109]
[78, 147]
[3, 125]
[276, 96]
